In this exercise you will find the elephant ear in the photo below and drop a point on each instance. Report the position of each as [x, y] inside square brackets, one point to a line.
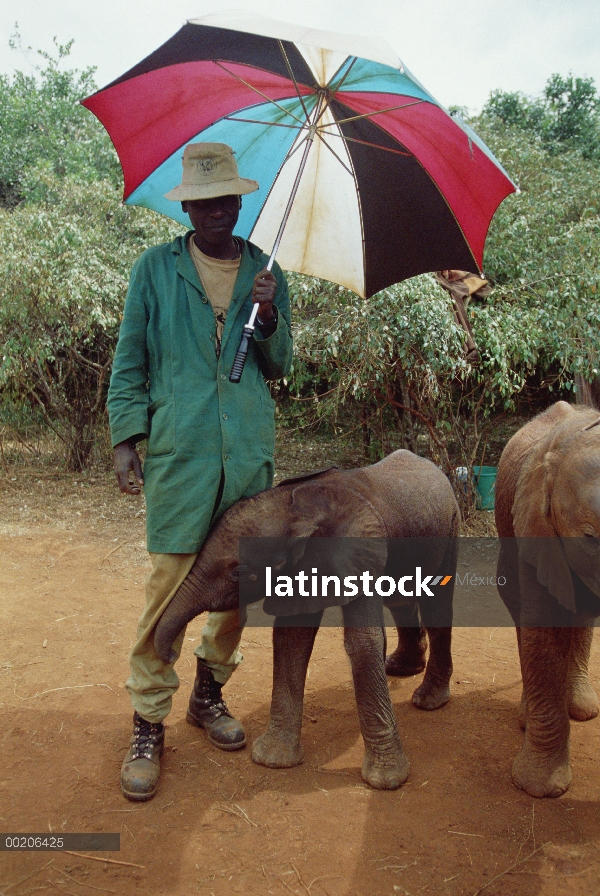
[333, 510]
[336, 530]
[330, 511]
[538, 541]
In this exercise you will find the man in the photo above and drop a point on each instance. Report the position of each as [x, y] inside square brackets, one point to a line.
[209, 442]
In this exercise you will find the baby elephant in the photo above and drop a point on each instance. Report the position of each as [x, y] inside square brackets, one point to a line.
[548, 519]
[402, 497]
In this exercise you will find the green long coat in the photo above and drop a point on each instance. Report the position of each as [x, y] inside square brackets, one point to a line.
[168, 385]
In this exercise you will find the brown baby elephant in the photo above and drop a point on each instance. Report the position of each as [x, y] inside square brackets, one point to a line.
[548, 519]
[403, 497]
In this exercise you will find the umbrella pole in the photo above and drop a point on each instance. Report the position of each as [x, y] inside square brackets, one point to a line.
[240, 358]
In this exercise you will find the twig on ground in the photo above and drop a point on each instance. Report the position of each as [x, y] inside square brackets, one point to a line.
[23, 879]
[83, 855]
[61, 889]
[509, 869]
[81, 883]
[64, 554]
[241, 814]
[331, 771]
[323, 877]
[121, 545]
[72, 687]
[299, 876]
[530, 832]
[465, 834]
[249, 820]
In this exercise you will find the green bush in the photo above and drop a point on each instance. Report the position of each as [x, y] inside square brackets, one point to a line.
[63, 277]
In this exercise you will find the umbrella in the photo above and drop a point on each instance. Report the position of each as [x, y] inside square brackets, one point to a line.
[374, 179]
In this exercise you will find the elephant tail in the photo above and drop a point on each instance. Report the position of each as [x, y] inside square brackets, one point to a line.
[185, 605]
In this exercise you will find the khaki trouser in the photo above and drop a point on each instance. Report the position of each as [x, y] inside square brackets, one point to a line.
[152, 683]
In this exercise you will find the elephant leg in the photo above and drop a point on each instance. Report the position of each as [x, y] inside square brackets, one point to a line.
[409, 656]
[434, 690]
[385, 765]
[581, 697]
[523, 704]
[508, 570]
[436, 615]
[542, 767]
[279, 746]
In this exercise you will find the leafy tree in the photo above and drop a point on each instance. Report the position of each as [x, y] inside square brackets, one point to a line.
[44, 131]
[63, 277]
[542, 253]
[573, 106]
[567, 117]
[68, 246]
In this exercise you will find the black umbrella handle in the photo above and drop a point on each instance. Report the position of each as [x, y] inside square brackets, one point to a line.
[242, 352]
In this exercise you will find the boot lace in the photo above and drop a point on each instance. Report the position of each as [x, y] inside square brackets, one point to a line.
[146, 738]
[212, 694]
[215, 696]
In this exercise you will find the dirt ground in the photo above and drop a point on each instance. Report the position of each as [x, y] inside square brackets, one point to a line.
[71, 589]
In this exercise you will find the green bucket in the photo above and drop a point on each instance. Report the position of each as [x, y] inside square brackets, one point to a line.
[485, 483]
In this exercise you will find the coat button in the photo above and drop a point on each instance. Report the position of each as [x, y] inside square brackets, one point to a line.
[225, 417]
[226, 457]
[223, 376]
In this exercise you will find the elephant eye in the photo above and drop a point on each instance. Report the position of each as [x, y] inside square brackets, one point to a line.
[238, 571]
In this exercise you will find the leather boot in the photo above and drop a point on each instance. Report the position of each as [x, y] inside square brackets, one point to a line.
[208, 710]
[141, 767]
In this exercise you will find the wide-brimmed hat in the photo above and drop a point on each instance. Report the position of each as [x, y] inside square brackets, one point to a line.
[210, 170]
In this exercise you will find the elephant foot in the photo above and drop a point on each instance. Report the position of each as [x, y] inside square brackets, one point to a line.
[541, 777]
[405, 663]
[385, 771]
[431, 694]
[276, 750]
[582, 700]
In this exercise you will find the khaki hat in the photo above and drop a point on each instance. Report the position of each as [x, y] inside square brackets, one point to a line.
[210, 170]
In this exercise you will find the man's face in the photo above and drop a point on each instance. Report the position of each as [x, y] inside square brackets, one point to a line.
[213, 219]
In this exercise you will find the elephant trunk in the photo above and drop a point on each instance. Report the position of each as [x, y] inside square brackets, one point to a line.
[188, 602]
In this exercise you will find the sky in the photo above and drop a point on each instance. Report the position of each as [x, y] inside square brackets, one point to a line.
[460, 50]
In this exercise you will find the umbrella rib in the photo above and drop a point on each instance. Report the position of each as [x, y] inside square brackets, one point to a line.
[269, 124]
[345, 75]
[293, 77]
[377, 112]
[260, 93]
[398, 152]
[295, 147]
[331, 150]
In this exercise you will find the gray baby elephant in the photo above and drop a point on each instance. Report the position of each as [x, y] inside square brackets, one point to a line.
[401, 497]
